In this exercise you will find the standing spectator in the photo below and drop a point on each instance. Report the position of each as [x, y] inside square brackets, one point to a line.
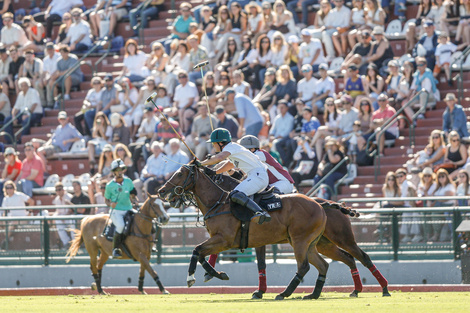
[145, 10]
[134, 62]
[180, 26]
[29, 104]
[62, 139]
[78, 36]
[380, 117]
[333, 156]
[186, 96]
[444, 51]
[80, 198]
[114, 11]
[54, 13]
[49, 68]
[250, 119]
[445, 188]
[282, 126]
[90, 103]
[65, 63]
[306, 87]
[11, 170]
[310, 51]
[454, 117]
[32, 171]
[429, 42]
[423, 79]
[227, 121]
[12, 34]
[63, 226]
[153, 171]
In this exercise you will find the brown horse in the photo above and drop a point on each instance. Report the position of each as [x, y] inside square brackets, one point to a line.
[301, 222]
[139, 242]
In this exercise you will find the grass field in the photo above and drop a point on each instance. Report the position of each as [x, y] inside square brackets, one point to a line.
[329, 302]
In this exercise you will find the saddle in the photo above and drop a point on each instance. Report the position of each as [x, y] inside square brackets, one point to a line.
[111, 229]
[268, 200]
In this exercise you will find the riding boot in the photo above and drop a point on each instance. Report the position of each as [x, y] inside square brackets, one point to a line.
[241, 198]
[117, 239]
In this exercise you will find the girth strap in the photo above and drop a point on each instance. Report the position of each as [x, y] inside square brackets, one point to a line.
[245, 228]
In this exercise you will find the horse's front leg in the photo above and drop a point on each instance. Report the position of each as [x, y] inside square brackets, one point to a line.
[144, 263]
[212, 245]
[141, 279]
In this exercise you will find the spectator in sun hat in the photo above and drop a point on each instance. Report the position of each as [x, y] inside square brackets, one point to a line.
[423, 79]
[310, 51]
[11, 170]
[454, 117]
[381, 50]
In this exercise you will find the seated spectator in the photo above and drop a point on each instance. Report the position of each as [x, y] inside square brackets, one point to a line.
[240, 85]
[306, 165]
[197, 55]
[63, 28]
[49, 68]
[463, 187]
[179, 62]
[266, 94]
[4, 62]
[227, 121]
[180, 26]
[156, 62]
[286, 89]
[113, 11]
[410, 227]
[391, 189]
[144, 135]
[62, 138]
[90, 104]
[427, 44]
[445, 188]
[444, 51]
[104, 164]
[66, 62]
[79, 198]
[348, 36]
[32, 171]
[438, 11]
[63, 226]
[145, 10]
[293, 5]
[323, 18]
[380, 51]
[120, 133]
[221, 32]
[393, 80]
[109, 96]
[283, 124]
[415, 29]
[283, 20]
[207, 24]
[7, 6]
[454, 118]
[310, 51]
[162, 100]
[29, 104]
[13, 198]
[54, 13]
[268, 17]
[246, 58]
[122, 152]
[463, 25]
[78, 36]
[230, 57]
[238, 19]
[5, 106]
[380, 117]
[306, 87]
[427, 184]
[293, 54]
[324, 88]
[333, 156]
[134, 62]
[374, 14]
[153, 171]
[349, 115]
[128, 106]
[374, 84]
[359, 52]
[98, 198]
[254, 18]
[249, 117]
[332, 118]
[11, 82]
[35, 32]
[32, 68]
[423, 79]
[164, 130]
[11, 170]
[186, 96]
[339, 22]
[433, 154]
[354, 84]
[175, 157]
[455, 156]
[12, 35]
[101, 133]
[200, 131]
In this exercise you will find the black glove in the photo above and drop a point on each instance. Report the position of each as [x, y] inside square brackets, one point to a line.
[209, 171]
[237, 175]
[197, 163]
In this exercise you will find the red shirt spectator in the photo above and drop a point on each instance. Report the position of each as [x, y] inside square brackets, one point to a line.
[32, 173]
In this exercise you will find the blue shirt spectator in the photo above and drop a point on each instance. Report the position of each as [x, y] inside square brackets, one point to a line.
[249, 117]
[454, 117]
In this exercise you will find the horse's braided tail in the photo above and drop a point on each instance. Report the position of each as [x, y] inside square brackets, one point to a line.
[75, 245]
[326, 204]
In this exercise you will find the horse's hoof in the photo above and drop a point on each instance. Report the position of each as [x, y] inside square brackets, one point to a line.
[354, 294]
[207, 277]
[93, 286]
[143, 292]
[223, 276]
[257, 295]
[385, 292]
[103, 293]
[279, 297]
[190, 280]
[166, 292]
[308, 297]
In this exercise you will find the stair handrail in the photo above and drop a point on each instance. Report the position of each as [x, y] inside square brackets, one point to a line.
[104, 41]
[13, 138]
[140, 27]
[73, 68]
[380, 131]
[316, 186]
[459, 77]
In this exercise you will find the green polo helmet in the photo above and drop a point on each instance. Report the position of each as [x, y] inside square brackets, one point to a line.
[220, 135]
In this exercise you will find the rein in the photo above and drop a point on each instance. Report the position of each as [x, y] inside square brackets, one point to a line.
[148, 219]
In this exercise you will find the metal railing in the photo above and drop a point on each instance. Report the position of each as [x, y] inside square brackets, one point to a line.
[317, 186]
[15, 134]
[140, 27]
[380, 131]
[460, 61]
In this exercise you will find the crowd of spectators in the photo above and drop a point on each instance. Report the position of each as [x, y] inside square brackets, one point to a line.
[268, 76]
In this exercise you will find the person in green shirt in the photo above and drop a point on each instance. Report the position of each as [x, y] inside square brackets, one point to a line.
[120, 195]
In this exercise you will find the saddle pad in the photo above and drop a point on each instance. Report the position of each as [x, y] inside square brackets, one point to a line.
[128, 220]
[268, 203]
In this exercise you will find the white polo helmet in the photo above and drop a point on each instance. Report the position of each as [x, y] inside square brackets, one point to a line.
[118, 163]
[250, 142]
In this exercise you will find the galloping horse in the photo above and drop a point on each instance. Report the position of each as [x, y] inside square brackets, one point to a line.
[139, 242]
[337, 243]
[301, 222]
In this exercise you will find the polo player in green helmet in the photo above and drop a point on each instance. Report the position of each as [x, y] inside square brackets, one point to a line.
[230, 155]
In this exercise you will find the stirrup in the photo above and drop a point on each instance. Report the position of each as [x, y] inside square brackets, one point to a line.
[261, 217]
[117, 253]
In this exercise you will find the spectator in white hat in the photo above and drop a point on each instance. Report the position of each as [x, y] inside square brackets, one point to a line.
[324, 88]
[311, 51]
[306, 86]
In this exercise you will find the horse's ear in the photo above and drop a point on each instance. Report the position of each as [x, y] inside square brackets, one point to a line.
[149, 195]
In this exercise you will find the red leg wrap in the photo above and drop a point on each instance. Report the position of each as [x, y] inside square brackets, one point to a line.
[382, 281]
[262, 281]
[213, 259]
[357, 280]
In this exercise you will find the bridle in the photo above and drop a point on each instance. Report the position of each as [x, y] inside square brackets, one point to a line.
[160, 217]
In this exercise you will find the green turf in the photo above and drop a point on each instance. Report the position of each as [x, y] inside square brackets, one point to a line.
[446, 302]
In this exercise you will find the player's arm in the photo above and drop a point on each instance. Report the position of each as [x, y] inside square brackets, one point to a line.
[219, 157]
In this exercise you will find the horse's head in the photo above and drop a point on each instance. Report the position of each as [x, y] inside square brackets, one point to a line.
[178, 186]
[155, 208]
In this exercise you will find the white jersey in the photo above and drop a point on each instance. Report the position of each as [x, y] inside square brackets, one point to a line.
[243, 159]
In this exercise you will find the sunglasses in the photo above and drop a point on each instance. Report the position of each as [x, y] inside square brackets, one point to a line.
[364, 103]
[278, 38]
[421, 64]
[185, 10]
[435, 137]
[382, 100]
[29, 149]
[9, 187]
[400, 176]
[455, 140]
[66, 19]
[265, 41]
[120, 149]
[391, 179]
[305, 71]
[224, 78]
[181, 76]
[7, 20]
[426, 175]
[442, 176]
[75, 15]
[344, 102]
[59, 189]
[330, 104]
[231, 44]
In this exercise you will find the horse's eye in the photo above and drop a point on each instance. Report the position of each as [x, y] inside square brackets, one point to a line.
[180, 174]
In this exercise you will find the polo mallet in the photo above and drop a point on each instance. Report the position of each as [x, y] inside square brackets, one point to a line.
[200, 66]
[150, 99]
